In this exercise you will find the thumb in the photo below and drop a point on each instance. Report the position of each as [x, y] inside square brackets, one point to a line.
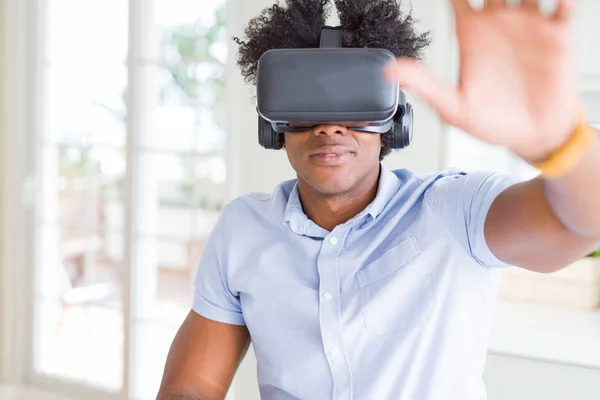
[419, 80]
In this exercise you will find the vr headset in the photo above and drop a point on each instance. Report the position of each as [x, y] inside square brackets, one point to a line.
[298, 89]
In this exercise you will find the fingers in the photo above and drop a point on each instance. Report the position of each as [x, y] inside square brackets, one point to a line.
[420, 81]
[564, 10]
[490, 4]
[461, 7]
[531, 4]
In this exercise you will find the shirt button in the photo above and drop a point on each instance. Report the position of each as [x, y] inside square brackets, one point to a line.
[335, 351]
[327, 296]
[333, 241]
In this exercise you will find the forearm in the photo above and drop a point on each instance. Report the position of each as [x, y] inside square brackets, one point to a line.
[185, 392]
[182, 395]
[575, 197]
[178, 397]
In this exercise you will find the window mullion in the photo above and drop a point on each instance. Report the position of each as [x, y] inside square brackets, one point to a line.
[14, 340]
[140, 103]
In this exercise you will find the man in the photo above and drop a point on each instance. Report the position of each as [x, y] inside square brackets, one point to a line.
[354, 282]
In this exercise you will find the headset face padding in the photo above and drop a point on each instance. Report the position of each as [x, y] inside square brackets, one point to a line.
[402, 131]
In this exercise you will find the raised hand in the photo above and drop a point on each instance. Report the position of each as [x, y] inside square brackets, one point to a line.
[518, 79]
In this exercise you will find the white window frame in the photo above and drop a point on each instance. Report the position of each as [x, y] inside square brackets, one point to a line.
[21, 111]
[12, 233]
[20, 82]
[21, 55]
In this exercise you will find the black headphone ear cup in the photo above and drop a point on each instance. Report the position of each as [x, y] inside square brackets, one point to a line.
[267, 137]
[403, 129]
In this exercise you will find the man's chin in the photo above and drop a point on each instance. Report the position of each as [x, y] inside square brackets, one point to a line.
[331, 185]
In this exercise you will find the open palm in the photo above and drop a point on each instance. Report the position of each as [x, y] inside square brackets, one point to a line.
[517, 85]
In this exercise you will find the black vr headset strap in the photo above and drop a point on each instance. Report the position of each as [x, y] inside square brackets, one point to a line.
[331, 37]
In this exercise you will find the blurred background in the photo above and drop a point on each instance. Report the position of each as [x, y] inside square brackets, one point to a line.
[125, 127]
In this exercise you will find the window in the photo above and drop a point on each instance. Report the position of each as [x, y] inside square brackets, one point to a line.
[82, 164]
[130, 179]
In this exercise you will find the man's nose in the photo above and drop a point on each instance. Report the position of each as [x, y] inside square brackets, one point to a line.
[330, 130]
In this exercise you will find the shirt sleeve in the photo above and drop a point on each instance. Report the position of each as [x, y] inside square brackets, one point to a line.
[212, 297]
[463, 200]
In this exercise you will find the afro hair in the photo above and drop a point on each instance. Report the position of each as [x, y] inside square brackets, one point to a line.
[298, 24]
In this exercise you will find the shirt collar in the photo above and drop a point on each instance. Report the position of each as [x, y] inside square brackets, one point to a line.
[299, 223]
[294, 214]
[388, 186]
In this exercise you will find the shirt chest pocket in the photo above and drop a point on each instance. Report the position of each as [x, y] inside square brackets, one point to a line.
[395, 290]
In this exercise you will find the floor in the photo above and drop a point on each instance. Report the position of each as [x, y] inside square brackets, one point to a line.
[16, 393]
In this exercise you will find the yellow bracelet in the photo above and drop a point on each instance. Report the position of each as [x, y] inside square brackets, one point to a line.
[568, 156]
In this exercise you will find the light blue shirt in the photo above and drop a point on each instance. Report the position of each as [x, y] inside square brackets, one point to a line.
[396, 303]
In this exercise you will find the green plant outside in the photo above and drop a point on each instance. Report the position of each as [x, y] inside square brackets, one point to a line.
[595, 254]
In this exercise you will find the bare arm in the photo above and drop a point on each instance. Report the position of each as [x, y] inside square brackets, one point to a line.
[544, 225]
[203, 359]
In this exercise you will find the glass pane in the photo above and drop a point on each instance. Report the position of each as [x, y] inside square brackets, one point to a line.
[78, 31]
[190, 113]
[79, 241]
[179, 196]
[79, 317]
[87, 77]
[163, 275]
[82, 188]
[209, 177]
[180, 184]
[86, 106]
[151, 344]
[64, 351]
[173, 128]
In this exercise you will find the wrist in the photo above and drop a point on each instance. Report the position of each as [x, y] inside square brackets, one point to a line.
[562, 158]
[546, 146]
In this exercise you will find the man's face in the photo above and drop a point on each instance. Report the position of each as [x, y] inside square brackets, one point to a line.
[332, 159]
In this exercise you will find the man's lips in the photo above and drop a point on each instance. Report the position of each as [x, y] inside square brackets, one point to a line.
[330, 151]
[330, 155]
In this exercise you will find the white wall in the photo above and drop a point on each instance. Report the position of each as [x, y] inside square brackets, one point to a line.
[514, 378]
[587, 39]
